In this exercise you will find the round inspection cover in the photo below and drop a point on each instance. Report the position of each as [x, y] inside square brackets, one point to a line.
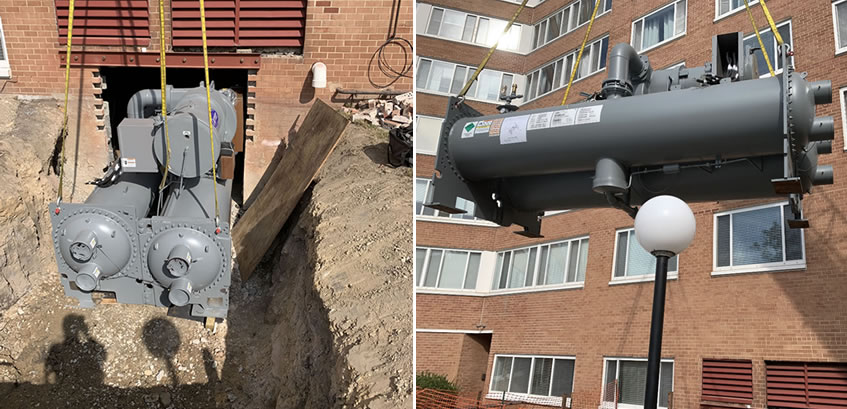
[110, 246]
[203, 266]
[191, 153]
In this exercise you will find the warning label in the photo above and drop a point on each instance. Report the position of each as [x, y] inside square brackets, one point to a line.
[514, 130]
[468, 130]
[483, 126]
[589, 115]
[128, 162]
[564, 117]
[539, 121]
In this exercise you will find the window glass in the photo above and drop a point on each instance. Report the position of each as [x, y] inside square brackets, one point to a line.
[554, 24]
[452, 25]
[506, 84]
[453, 270]
[586, 7]
[546, 81]
[841, 24]
[658, 27]
[632, 382]
[756, 237]
[458, 79]
[520, 375]
[518, 273]
[482, 31]
[556, 265]
[541, 375]
[432, 270]
[420, 258]
[420, 193]
[440, 77]
[562, 377]
[500, 375]
[631, 260]
[423, 73]
[435, 21]
[770, 43]
[489, 85]
[473, 271]
[665, 382]
[470, 23]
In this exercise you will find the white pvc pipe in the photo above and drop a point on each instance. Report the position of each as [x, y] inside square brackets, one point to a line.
[319, 75]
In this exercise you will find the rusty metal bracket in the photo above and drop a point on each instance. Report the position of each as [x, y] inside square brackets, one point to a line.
[151, 59]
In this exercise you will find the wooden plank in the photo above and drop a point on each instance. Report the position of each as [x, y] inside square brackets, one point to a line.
[298, 165]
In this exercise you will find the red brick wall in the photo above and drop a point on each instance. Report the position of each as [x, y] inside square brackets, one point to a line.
[438, 353]
[791, 315]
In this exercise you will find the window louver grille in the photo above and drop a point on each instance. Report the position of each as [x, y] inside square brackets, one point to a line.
[806, 385]
[105, 22]
[240, 23]
[727, 381]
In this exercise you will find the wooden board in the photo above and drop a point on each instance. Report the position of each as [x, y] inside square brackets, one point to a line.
[301, 161]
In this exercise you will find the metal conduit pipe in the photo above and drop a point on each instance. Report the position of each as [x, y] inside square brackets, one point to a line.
[146, 99]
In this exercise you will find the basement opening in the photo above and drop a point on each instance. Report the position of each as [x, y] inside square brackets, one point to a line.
[120, 83]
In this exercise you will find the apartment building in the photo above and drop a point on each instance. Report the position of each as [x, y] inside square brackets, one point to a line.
[756, 312]
[265, 50]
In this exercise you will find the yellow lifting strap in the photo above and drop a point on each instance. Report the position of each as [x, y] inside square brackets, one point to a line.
[164, 81]
[772, 24]
[491, 51]
[209, 110]
[581, 49]
[758, 37]
[64, 134]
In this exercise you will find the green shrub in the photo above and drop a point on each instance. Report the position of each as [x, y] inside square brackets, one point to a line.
[429, 380]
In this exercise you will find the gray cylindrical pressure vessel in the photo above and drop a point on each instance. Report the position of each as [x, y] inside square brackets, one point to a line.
[197, 199]
[735, 120]
[131, 189]
[738, 180]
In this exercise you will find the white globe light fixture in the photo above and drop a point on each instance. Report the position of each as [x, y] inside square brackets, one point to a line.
[665, 224]
[665, 227]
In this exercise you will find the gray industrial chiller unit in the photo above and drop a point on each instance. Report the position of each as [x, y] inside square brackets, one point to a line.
[715, 132]
[146, 246]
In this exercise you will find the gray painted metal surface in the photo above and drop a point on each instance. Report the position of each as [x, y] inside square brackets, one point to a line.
[146, 246]
[687, 132]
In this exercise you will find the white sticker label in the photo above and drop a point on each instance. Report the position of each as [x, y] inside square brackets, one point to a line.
[514, 130]
[468, 130]
[564, 117]
[589, 115]
[128, 162]
[483, 126]
[539, 121]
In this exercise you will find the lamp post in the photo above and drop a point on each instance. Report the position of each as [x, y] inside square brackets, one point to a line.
[664, 227]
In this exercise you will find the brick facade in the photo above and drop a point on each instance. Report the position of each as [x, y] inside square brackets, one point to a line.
[343, 34]
[795, 315]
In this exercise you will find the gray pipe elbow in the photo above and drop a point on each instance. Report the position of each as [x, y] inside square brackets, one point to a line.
[625, 68]
[822, 90]
[823, 175]
[141, 100]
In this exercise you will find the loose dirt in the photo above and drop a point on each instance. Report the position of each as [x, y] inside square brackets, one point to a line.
[326, 321]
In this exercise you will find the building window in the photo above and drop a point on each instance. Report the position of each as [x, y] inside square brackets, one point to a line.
[469, 28]
[518, 376]
[724, 8]
[423, 190]
[448, 78]
[548, 264]
[772, 47]
[564, 21]
[625, 381]
[839, 19]
[659, 27]
[806, 385]
[843, 93]
[449, 269]
[757, 239]
[5, 70]
[727, 382]
[633, 263]
[557, 73]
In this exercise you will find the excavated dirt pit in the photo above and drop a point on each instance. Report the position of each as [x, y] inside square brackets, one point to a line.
[326, 320]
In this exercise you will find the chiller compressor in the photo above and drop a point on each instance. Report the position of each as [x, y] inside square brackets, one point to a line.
[168, 247]
[714, 132]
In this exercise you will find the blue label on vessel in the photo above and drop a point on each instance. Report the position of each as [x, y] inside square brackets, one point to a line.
[214, 118]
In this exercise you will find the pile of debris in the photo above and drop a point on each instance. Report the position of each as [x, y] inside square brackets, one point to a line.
[387, 113]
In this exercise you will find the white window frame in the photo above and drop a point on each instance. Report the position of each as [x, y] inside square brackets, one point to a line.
[767, 29]
[441, 217]
[574, 7]
[444, 251]
[535, 270]
[514, 396]
[755, 268]
[617, 376]
[838, 50]
[501, 46]
[672, 275]
[675, 36]
[587, 58]
[468, 74]
[843, 93]
[5, 69]
[719, 16]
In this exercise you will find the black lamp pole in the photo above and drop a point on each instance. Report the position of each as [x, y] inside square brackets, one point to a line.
[654, 358]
